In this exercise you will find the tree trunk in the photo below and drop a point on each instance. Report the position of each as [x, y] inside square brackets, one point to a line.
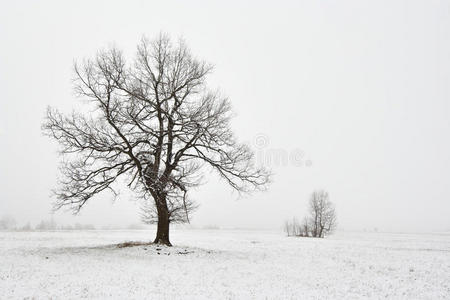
[321, 232]
[162, 233]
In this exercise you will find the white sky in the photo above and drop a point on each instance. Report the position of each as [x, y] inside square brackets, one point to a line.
[360, 87]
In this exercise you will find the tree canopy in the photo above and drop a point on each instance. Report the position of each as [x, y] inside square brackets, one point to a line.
[152, 121]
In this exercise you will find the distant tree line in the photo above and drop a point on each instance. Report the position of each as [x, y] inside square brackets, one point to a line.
[9, 223]
[321, 220]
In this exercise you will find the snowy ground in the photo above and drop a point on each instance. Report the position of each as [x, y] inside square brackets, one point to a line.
[224, 264]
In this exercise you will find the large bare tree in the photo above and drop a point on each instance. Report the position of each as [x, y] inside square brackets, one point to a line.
[154, 122]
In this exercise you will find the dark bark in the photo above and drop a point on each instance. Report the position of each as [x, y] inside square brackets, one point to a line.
[162, 232]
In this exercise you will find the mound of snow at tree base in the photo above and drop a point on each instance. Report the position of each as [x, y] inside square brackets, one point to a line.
[223, 264]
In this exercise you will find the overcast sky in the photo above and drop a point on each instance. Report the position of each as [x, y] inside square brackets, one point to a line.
[355, 94]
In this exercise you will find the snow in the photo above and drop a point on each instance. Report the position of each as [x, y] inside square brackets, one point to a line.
[224, 264]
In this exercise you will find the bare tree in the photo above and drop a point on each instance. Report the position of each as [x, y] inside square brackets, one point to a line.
[322, 214]
[287, 228]
[154, 122]
[305, 228]
[293, 228]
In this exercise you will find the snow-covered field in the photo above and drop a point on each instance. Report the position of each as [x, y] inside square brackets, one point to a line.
[224, 264]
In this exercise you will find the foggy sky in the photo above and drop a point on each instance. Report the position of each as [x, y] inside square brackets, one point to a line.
[356, 93]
